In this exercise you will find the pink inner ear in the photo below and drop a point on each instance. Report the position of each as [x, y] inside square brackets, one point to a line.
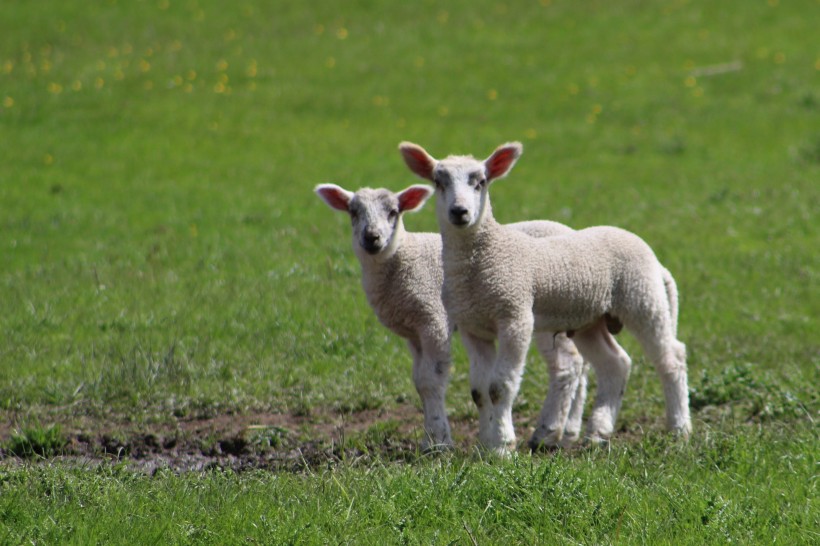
[501, 162]
[418, 161]
[412, 198]
[335, 198]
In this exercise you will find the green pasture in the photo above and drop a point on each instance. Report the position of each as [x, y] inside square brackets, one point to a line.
[709, 493]
[162, 255]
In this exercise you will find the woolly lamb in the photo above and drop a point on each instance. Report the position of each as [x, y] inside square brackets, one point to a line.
[501, 284]
[402, 279]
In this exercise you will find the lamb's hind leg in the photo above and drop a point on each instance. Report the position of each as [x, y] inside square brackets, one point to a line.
[612, 366]
[669, 357]
[431, 372]
[566, 368]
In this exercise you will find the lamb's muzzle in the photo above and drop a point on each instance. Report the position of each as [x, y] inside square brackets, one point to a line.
[459, 215]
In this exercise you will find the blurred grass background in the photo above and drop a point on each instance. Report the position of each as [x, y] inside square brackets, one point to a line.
[162, 248]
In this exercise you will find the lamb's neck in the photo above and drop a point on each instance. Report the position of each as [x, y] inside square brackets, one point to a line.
[464, 242]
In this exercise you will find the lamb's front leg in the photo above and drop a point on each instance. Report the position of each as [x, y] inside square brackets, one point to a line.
[431, 373]
[497, 432]
[566, 369]
[481, 353]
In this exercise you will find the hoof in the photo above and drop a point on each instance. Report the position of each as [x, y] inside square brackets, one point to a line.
[433, 448]
[682, 432]
[596, 441]
[569, 439]
[503, 451]
[542, 446]
[545, 439]
[428, 443]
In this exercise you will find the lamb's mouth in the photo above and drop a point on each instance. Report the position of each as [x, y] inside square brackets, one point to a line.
[459, 221]
[372, 248]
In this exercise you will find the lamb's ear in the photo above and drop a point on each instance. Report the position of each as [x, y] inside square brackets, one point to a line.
[414, 197]
[419, 161]
[335, 196]
[503, 159]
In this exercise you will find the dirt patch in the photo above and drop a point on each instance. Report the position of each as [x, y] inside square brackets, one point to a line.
[254, 440]
[243, 441]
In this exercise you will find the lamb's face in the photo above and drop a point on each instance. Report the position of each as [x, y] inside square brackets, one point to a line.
[375, 215]
[461, 181]
[461, 190]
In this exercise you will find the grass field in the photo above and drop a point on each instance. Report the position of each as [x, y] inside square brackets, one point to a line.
[175, 297]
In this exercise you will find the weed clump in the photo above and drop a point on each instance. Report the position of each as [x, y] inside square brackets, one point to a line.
[740, 385]
[37, 441]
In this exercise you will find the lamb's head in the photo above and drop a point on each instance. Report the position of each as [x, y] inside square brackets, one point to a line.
[375, 214]
[462, 182]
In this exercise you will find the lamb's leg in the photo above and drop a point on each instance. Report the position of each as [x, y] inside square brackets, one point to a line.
[565, 366]
[481, 354]
[431, 373]
[572, 431]
[612, 366]
[498, 432]
[669, 357]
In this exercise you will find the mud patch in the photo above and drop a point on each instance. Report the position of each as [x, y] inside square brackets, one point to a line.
[238, 442]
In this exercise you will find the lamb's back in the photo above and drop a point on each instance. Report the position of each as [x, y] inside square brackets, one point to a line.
[582, 276]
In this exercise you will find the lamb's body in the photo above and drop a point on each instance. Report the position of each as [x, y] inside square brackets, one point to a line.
[500, 284]
[405, 290]
[597, 263]
[402, 277]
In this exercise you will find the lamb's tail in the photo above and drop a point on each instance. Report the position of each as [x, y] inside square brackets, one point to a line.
[672, 296]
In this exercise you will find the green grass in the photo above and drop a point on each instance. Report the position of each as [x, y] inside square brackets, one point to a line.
[37, 441]
[652, 493]
[162, 255]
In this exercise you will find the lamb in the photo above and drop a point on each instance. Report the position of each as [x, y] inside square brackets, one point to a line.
[402, 278]
[501, 284]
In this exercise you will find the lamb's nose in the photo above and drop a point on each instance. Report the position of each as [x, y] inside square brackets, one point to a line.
[371, 242]
[458, 214]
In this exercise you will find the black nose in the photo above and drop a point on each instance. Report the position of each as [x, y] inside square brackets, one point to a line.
[458, 214]
[370, 237]
[371, 242]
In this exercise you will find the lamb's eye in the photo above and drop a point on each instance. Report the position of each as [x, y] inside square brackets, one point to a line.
[440, 179]
[392, 215]
[354, 215]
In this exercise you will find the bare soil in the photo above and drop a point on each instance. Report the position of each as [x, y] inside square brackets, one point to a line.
[240, 441]
[243, 441]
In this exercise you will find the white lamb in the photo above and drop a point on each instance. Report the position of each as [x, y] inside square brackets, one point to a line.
[402, 279]
[500, 284]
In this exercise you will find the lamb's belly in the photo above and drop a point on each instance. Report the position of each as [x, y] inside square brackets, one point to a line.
[551, 324]
[562, 322]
